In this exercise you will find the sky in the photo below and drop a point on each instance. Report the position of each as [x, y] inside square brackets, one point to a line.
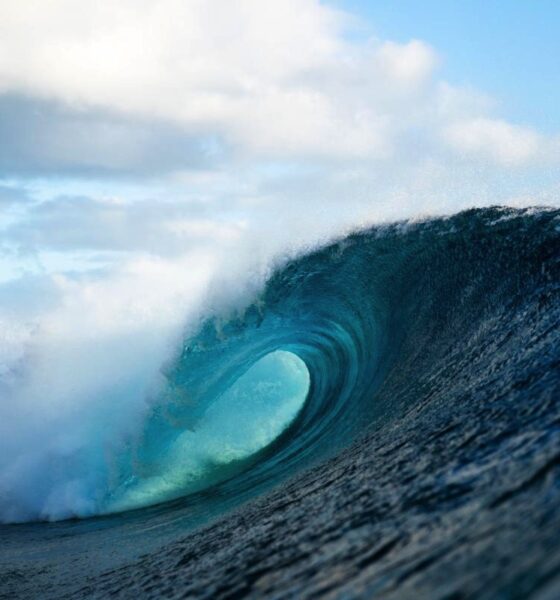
[159, 158]
[136, 131]
[508, 49]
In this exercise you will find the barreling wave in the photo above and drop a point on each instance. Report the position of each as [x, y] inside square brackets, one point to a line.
[342, 340]
[375, 317]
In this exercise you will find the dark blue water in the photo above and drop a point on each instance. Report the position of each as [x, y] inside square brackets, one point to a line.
[425, 461]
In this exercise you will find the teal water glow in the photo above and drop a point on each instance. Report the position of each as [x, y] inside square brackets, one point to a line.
[246, 418]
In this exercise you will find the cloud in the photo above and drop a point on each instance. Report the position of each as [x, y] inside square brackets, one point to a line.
[494, 140]
[409, 64]
[45, 138]
[106, 88]
[212, 66]
[10, 195]
[70, 224]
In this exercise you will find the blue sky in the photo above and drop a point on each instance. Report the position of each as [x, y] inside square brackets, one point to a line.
[510, 49]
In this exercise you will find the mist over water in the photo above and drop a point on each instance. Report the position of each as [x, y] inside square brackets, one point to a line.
[83, 365]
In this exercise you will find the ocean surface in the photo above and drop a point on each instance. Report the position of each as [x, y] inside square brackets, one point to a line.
[383, 420]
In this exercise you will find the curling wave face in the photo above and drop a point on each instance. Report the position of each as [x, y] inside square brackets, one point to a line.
[326, 331]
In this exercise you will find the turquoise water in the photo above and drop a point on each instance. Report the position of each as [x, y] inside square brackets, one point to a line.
[243, 420]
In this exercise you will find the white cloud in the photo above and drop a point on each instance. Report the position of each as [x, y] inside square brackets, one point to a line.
[275, 77]
[273, 80]
[211, 65]
[409, 64]
[494, 140]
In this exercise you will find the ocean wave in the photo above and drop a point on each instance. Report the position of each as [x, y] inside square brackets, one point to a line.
[339, 341]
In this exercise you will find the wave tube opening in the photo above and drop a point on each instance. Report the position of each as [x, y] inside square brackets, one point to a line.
[245, 418]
